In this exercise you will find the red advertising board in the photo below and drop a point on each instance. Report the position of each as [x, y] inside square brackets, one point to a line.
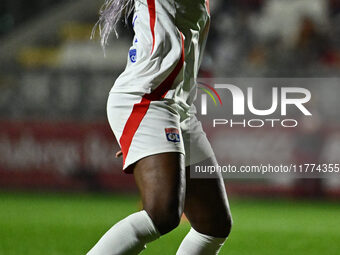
[53, 155]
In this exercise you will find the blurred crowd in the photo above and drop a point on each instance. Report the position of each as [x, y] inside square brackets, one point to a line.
[248, 37]
[275, 37]
[13, 13]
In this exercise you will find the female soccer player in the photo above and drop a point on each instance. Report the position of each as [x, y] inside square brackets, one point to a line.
[150, 110]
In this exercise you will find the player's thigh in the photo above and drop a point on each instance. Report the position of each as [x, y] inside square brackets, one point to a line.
[161, 182]
[206, 204]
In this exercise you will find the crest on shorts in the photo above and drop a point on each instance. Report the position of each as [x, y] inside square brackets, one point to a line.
[133, 55]
[172, 135]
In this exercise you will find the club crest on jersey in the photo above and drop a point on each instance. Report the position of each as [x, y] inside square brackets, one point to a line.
[172, 135]
[133, 55]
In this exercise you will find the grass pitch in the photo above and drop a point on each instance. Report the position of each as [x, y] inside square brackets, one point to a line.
[64, 224]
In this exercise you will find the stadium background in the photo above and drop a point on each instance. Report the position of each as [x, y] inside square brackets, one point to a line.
[61, 186]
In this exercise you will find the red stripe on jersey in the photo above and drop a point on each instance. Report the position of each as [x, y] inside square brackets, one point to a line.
[152, 14]
[140, 109]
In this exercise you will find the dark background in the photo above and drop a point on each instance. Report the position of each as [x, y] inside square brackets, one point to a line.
[54, 83]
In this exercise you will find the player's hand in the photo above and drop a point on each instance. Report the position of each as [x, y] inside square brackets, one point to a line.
[119, 154]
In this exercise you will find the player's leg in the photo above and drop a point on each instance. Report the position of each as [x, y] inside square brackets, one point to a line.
[161, 181]
[207, 206]
[207, 209]
[155, 154]
[206, 202]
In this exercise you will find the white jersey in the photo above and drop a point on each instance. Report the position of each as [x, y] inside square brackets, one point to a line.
[150, 105]
[167, 48]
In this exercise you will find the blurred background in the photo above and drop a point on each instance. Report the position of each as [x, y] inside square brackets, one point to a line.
[54, 136]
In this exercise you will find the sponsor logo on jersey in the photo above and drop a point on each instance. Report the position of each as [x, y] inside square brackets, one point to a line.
[172, 135]
[133, 55]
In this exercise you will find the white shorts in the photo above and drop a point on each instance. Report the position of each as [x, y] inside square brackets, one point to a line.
[146, 128]
[150, 107]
